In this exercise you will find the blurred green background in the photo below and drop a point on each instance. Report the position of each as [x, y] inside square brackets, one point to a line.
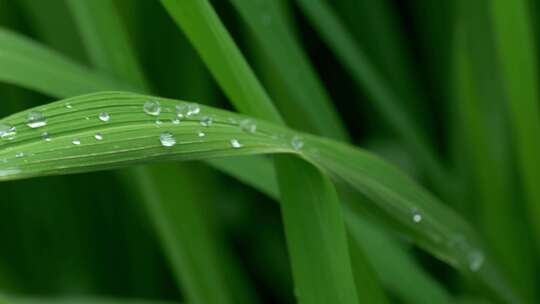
[90, 234]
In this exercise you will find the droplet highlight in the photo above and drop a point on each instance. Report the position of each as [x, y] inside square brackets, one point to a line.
[98, 136]
[7, 131]
[36, 119]
[104, 116]
[476, 260]
[416, 216]
[248, 125]
[193, 109]
[297, 143]
[76, 141]
[167, 139]
[201, 134]
[46, 136]
[207, 121]
[152, 107]
[235, 143]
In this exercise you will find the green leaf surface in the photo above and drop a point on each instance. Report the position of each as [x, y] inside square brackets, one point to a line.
[131, 137]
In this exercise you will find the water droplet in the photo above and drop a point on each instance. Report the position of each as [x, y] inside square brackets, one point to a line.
[297, 143]
[19, 154]
[235, 143]
[476, 259]
[193, 109]
[69, 106]
[207, 121]
[104, 116]
[7, 131]
[98, 136]
[76, 141]
[248, 125]
[167, 139]
[175, 121]
[416, 216]
[159, 122]
[46, 136]
[152, 107]
[201, 134]
[36, 119]
[181, 110]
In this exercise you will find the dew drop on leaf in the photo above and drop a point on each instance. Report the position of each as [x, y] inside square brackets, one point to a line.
[476, 259]
[76, 141]
[207, 121]
[297, 143]
[152, 107]
[167, 139]
[19, 154]
[104, 116]
[46, 136]
[193, 109]
[248, 125]
[36, 119]
[7, 131]
[98, 136]
[69, 106]
[201, 134]
[416, 216]
[176, 121]
[235, 143]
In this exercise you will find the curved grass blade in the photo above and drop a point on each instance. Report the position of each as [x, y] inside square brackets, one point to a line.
[132, 137]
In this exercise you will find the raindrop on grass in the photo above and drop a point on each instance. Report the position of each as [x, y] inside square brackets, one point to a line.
[235, 143]
[297, 143]
[416, 216]
[46, 136]
[207, 121]
[35, 120]
[104, 116]
[181, 110]
[7, 131]
[76, 141]
[248, 125]
[159, 122]
[201, 134]
[167, 139]
[152, 107]
[476, 259]
[193, 109]
[19, 154]
[98, 136]
[175, 121]
[69, 106]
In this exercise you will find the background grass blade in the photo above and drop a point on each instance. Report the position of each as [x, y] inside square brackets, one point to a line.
[302, 95]
[481, 103]
[204, 29]
[383, 98]
[70, 79]
[516, 53]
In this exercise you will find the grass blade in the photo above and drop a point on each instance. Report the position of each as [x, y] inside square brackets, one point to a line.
[133, 137]
[517, 57]
[303, 94]
[202, 26]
